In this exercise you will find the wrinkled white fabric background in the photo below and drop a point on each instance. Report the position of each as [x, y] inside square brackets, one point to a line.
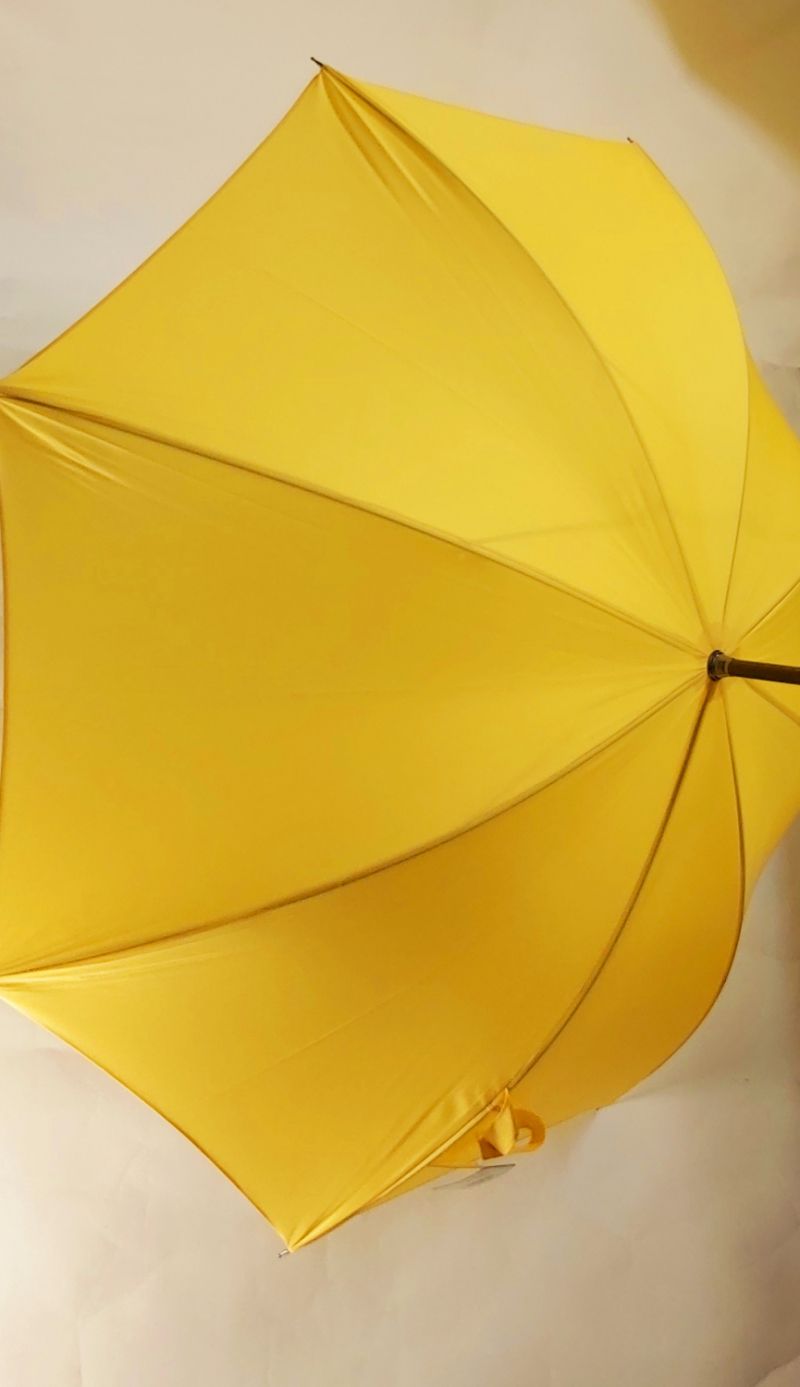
[653, 1244]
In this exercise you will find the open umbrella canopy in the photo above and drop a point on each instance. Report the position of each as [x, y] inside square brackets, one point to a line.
[366, 800]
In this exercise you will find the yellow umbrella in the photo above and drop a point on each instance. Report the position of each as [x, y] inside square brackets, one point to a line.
[367, 798]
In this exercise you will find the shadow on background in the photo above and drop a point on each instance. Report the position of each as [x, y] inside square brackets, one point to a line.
[749, 50]
[790, 874]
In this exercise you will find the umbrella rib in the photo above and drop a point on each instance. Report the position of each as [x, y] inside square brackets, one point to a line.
[740, 516]
[773, 702]
[742, 898]
[28, 398]
[737, 314]
[376, 869]
[629, 911]
[432, 1160]
[436, 159]
[770, 612]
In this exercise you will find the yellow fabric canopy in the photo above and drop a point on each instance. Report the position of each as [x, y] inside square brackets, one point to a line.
[365, 800]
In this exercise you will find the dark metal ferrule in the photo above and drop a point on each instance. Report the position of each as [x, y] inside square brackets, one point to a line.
[722, 666]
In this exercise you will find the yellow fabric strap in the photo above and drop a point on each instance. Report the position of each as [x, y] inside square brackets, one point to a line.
[502, 1129]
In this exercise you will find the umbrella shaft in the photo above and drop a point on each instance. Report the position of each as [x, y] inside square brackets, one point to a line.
[722, 666]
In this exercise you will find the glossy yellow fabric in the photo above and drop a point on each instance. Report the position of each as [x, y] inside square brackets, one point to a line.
[365, 803]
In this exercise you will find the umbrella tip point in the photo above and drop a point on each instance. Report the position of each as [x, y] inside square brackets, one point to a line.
[317, 61]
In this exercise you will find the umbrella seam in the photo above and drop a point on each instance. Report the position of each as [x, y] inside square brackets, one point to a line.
[773, 702]
[110, 955]
[741, 906]
[391, 120]
[25, 398]
[740, 516]
[743, 340]
[742, 897]
[769, 613]
[630, 909]
[633, 902]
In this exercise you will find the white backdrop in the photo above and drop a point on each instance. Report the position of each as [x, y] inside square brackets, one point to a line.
[653, 1244]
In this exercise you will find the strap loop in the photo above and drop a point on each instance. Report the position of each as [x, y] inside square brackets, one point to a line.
[501, 1130]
